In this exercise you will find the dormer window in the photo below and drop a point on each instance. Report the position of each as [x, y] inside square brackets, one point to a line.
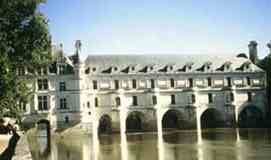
[207, 66]
[115, 68]
[225, 67]
[166, 68]
[128, 69]
[87, 71]
[188, 67]
[245, 67]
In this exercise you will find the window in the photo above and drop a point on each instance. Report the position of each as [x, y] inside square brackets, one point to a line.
[172, 85]
[154, 100]
[63, 103]
[134, 83]
[39, 71]
[96, 102]
[193, 98]
[42, 84]
[249, 96]
[135, 101]
[229, 82]
[88, 104]
[45, 71]
[226, 67]
[152, 83]
[190, 82]
[248, 81]
[21, 71]
[229, 97]
[67, 119]
[42, 103]
[209, 79]
[173, 99]
[210, 98]
[118, 103]
[62, 86]
[22, 105]
[95, 85]
[45, 84]
[116, 84]
[61, 69]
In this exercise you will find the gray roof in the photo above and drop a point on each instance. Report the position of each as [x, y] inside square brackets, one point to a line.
[158, 62]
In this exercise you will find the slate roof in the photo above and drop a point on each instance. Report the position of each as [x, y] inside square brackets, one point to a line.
[163, 62]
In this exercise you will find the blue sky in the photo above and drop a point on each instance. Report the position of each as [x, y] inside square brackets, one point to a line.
[160, 26]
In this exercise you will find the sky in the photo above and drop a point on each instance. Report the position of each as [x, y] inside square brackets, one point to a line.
[159, 26]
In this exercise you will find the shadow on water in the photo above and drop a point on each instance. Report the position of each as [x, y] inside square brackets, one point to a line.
[176, 145]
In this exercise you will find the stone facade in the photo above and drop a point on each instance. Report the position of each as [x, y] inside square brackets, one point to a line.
[113, 92]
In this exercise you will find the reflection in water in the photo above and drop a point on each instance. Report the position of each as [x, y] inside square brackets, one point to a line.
[222, 144]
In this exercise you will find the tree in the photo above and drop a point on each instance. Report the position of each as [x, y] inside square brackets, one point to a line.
[25, 42]
[265, 64]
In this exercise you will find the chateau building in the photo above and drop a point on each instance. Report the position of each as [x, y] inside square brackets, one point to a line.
[125, 93]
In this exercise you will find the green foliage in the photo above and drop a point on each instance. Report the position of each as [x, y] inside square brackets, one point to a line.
[265, 64]
[24, 42]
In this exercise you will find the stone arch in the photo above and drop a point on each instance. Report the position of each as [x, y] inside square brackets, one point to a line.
[135, 121]
[105, 124]
[211, 118]
[172, 119]
[250, 116]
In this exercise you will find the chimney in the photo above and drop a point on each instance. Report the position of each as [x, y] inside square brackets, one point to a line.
[78, 45]
[253, 53]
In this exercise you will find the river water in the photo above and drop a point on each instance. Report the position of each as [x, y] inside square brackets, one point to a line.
[216, 144]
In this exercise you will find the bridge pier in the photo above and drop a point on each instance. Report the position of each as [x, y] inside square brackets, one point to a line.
[95, 138]
[198, 115]
[160, 146]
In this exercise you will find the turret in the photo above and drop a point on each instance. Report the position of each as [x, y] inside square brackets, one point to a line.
[253, 53]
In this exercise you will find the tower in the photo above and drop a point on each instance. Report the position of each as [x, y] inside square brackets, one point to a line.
[253, 53]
